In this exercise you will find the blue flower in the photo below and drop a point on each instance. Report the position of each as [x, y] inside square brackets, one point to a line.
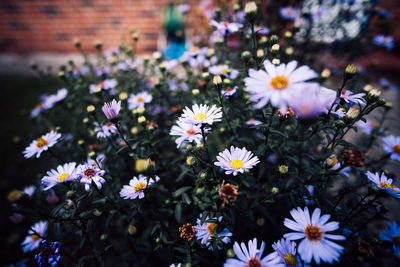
[49, 255]
[392, 234]
[384, 41]
[290, 13]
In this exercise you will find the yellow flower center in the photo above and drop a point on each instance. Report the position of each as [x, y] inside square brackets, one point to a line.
[279, 82]
[237, 164]
[224, 71]
[386, 185]
[254, 262]
[313, 233]
[290, 260]
[35, 237]
[396, 240]
[41, 142]
[140, 99]
[200, 116]
[63, 176]
[211, 228]
[139, 186]
[396, 149]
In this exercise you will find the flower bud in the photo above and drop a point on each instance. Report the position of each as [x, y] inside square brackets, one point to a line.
[205, 75]
[90, 108]
[288, 34]
[217, 80]
[123, 95]
[273, 39]
[190, 161]
[373, 95]
[289, 50]
[250, 11]
[132, 229]
[274, 190]
[14, 195]
[157, 55]
[77, 43]
[135, 36]
[162, 67]
[260, 53]
[92, 155]
[195, 91]
[350, 71]
[381, 101]
[141, 119]
[368, 87]
[283, 169]
[276, 61]
[246, 55]
[351, 114]
[98, 44]
[141, 165]
[230, 253]
[260, 221]
[275, 48]
[263, 40]
[326, 73]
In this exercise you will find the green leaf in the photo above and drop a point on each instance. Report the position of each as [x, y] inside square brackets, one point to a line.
[181, 190]
[178, 212]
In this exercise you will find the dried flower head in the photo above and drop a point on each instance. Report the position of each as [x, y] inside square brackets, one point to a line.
[353, 157]
[228, 193]
[289, 113]
[187, 231]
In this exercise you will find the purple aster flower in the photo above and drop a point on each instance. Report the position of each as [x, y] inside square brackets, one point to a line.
[49, 255]
[384, 41]
[112, 109]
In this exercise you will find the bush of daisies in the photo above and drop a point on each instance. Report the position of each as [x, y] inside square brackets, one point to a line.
[232, 155]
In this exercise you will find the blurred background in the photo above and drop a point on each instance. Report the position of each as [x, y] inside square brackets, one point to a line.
[44, 32]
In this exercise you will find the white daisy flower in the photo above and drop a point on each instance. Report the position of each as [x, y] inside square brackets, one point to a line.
[207, 230]
[349, 97]
[139, 100]
[226, 27]
[35, 236]
[136, 187]
[368, 126]
[382, 182]
[391, 145]
[277, 83]
[41, 144]
[107, 84]
[313, 230]
[105, 130]
[251, 256]
[186, 132]
[90, 173]
[62, 174]
[224, 70]
[236, 160]
[53, 99]
[285, 251]
[311, 100]
[201, 114]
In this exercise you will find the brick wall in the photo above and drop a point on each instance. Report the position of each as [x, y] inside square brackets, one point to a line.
[50, 25]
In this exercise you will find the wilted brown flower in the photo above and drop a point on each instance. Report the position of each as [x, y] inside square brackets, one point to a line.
[289, 113]
[353, 157]
[228, 193]
[364, 248]
[187, 231]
